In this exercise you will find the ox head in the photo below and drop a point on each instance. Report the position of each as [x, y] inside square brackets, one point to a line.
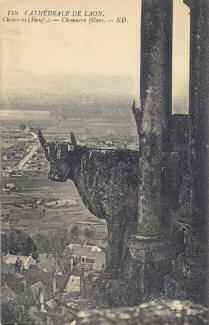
[60, 157]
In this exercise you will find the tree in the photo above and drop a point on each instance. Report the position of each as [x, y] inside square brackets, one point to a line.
[11, 313]
[57, 242]
[75, 233]
[22, 127]
[4, 244]
[89, 233]
[20, 243]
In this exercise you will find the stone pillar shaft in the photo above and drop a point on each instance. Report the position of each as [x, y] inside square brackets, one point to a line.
[199, 110]
[190, 272]
[155, 110]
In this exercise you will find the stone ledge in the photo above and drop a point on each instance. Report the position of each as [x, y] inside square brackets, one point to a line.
[154, 246]
[172, 312]
[108, 292]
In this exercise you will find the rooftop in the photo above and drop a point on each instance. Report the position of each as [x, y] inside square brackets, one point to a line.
[83, 250]
[11, 259]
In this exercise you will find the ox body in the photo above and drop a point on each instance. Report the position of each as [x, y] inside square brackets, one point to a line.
[107, 181]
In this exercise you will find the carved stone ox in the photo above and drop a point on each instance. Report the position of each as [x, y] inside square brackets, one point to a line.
[107, 183]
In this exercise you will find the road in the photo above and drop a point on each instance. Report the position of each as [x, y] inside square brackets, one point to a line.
[29, 155]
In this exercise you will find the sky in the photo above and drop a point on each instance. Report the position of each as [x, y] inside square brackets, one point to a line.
[36, 57]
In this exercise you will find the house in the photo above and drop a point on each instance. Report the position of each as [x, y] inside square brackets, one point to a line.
[53, 282]
[31, 296]
[5, 158]
[38, 291]
[35, 295]
[10, 187]
[16, 174]
[60, 203]
[47, 263]
[26, 261]
[14, 281]
[7, 268]
[6, 293]
[73, 284]
[51, 304]
[85, 257]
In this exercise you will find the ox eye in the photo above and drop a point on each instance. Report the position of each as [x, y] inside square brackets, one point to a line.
[64, 157]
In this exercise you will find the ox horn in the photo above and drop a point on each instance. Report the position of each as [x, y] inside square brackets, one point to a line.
[73, 139]
[73, 142]
[42, 140]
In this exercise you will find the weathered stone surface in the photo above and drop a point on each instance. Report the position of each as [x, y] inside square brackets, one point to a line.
[142, 276]
[107, 181]
[163, 313]
[199, 110]
[199, 68]
[155, 110]
[149, 260]
[175, 190]
[108, 292]
[189, 277]
[184, 287]
[179, 133]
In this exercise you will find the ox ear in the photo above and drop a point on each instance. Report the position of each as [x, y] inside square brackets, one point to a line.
[138, 114]
[42, 140]
[73, 141]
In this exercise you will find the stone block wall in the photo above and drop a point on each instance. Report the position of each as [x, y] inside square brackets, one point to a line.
[179, 132]
[108, 292]
[163, 313]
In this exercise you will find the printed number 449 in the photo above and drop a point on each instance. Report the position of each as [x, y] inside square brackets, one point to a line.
[13, 12]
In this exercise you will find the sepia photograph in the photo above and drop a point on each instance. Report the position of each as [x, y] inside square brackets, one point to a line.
[104, 162]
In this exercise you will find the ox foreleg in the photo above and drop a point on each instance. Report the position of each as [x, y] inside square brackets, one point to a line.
[116, 232]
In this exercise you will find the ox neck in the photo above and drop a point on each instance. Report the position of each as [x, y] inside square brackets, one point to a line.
[76, 162]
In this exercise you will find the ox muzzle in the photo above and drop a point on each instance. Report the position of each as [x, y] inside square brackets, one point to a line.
[56, 176]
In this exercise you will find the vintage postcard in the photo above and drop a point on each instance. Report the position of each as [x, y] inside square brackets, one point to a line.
[104, 148]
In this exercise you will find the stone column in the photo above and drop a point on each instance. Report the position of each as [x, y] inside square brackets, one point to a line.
[189, 277]
[148, 257]
[156, 53]
[199, 111]
[196, 255]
